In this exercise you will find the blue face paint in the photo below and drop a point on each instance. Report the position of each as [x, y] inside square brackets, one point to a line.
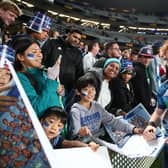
[45, 124]
[30, 56]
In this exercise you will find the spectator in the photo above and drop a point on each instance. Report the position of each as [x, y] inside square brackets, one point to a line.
[43, 91]
[112, 50]
[90, 58]
[87, 116]
[6, 82]
[122, 89]
[9, 11]
[38, 27]
[154, 68]
[71, 67]
[53, 122]
[142, 80]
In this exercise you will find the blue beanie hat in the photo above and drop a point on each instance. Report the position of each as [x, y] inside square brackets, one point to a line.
[110, 60]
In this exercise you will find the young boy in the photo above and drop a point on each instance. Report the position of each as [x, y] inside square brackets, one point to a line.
[53, 122]
[87, 116]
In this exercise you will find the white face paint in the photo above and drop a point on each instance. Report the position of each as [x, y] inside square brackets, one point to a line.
[30, 56]
[84, 93]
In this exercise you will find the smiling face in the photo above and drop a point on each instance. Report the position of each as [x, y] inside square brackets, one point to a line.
[52, 126]
[111, 71]
[32, 57]
[74, 39]
[8, 16]
[88, 93]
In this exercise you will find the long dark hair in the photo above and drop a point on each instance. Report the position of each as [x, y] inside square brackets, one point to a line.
[20, 44]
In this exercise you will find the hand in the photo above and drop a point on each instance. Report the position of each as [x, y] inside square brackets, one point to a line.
[93, 146]
[61, 90]
[84, 131]
[5, 102]
[149, 133]
[137, 130]
[53, 72]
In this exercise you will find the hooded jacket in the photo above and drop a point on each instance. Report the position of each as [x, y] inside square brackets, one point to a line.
[94, 118]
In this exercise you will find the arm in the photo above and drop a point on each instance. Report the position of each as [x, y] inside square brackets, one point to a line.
[75, 121]
[70, 144]
[6, 101]
[117, 124]
[47, 97]
[150, 131]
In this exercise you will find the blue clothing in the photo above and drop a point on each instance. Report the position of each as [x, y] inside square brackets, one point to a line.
[163, 103]
[163, 96]
[57, 142]
[46, 96]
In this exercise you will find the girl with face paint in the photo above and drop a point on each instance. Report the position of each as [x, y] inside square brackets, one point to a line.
[41, 90]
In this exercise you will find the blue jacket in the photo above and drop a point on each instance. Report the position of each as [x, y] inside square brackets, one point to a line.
[46, 96]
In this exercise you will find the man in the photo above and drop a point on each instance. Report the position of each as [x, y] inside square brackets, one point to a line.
[161, 109]
[90, 58]
[71, 67]
[142, 80]
[112, 50]
[9, 11]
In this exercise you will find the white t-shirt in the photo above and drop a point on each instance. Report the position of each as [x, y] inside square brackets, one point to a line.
[88, 61]
[105, 95]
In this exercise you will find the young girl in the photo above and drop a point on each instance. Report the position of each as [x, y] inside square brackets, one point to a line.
[42, 91]
[87, 116]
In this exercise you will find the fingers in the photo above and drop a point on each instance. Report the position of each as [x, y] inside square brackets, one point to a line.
[6, 102]
[93, 146]
[84, 131]
[8, 98]
[149, 133]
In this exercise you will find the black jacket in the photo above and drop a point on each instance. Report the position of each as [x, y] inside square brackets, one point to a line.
[71, 63]
[142, 86]
[123, 98]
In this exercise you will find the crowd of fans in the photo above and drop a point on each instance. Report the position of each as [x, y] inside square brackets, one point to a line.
[81, 86]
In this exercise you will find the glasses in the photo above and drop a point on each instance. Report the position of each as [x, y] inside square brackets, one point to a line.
[118, 49]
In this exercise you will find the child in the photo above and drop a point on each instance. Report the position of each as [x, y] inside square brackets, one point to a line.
[53, 122]
[87, 116]
[122, 89]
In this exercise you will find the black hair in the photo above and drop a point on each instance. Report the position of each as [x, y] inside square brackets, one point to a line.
[109, 45]
[75, 31]
[91, 44]
[84, 81]
[56, 111]
[20, 43]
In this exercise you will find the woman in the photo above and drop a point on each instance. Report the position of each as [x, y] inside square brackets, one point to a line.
[123, 93]
[42, 90]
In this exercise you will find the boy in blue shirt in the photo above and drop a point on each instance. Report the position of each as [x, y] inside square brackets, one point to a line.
[53, 122]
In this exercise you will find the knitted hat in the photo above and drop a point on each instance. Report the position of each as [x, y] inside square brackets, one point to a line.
[146, 51]
[127, 66]
[110, 60]
[39, 22]
[6, 53]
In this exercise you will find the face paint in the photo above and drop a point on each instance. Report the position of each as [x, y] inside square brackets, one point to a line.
[84, 93]
[45, 124]
[30, 56]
